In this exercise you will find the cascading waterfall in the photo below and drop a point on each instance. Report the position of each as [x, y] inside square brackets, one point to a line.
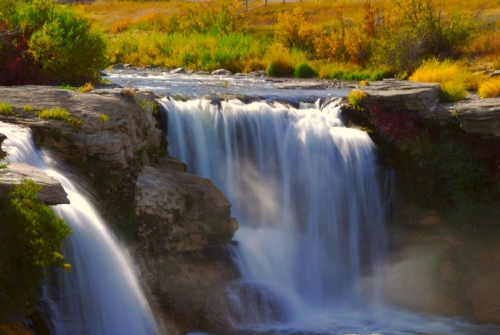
[101, 295]
[304, 189]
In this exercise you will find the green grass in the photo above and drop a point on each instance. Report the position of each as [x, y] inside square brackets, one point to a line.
[67, 87]
[5, 109]
[350, 72]
[305, 70]
[104, 117]
[28, 108]
[204, 51]
[59, 114]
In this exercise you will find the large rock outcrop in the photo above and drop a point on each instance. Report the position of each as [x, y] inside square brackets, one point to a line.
[104, 144]
[479, 117]
[421, 98]
[179, 211]
[52, 192]
[182, 221]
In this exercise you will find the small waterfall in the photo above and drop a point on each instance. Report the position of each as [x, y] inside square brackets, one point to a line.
[304, 189]
[101, 295]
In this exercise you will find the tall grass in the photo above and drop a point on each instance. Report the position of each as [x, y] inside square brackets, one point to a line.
[454, 78]
[490, 88]
[205, 51]
[350, 72]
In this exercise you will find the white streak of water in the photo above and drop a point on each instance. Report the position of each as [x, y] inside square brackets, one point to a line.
[101, 295]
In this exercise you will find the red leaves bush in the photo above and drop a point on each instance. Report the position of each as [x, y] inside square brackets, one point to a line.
[396, 125]
[16, 62]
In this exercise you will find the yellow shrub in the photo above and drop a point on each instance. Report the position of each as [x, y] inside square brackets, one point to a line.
[490, 88]
[453, 91]
[433, 71]
[5, 108]
[253, 64]
[471, 80]
[293, 31]
[54, 113]
[355, 98]
[86, 88]
[28, 108]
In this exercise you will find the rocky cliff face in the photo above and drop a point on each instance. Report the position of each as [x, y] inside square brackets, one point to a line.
[182, 221]
[444, 229]
[177, 223]
[109, 150]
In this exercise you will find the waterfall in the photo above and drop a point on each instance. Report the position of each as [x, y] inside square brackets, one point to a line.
[101, 295]
[304, 188]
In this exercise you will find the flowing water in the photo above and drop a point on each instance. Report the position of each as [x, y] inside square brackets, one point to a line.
[101, 295]
[307, 193]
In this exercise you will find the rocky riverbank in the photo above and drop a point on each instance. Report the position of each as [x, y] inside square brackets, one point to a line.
[444, 230]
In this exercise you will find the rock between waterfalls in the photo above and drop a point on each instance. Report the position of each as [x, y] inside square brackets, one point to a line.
[179, 211]
[52, 192]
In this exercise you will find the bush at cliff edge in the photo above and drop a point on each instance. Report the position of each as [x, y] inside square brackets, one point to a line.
[44, 43]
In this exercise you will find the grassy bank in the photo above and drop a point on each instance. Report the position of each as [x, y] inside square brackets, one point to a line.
[346, 39]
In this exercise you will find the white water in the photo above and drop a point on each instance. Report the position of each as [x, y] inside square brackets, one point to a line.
[304, 190]
[101, 295]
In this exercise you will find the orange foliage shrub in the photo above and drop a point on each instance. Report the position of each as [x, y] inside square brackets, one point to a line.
[121, 25]
[293, 31]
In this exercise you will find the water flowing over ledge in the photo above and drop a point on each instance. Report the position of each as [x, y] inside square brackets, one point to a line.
[101, 295]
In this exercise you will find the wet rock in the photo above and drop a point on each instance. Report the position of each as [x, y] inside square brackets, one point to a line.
[178, 70]
[171, 163]
[180, 212]
[303, 85]
[221, 72]
[52, 192]
[486, 297]
[238, 304]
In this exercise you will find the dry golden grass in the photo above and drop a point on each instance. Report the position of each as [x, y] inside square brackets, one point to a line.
[105, 13]
[490, 88]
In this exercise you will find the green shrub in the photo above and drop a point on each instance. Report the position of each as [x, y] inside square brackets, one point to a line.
[61, 42]
[32, 237]
[305, 70]
[5, 108]
[104, 117]
[279, 68]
